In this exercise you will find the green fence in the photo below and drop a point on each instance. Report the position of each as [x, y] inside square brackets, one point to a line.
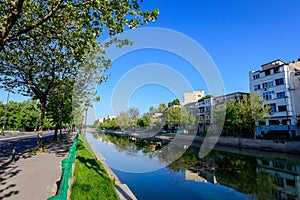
[66, 172]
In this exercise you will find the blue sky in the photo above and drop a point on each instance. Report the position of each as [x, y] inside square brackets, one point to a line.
[238, 35]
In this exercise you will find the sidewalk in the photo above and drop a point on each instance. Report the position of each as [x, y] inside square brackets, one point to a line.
[34, 176]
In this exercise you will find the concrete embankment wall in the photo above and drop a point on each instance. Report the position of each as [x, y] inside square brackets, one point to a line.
[257, 144]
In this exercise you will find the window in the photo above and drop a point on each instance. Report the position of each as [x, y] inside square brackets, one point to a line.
[256, 76]
[279, 181]
[281, 108]
[272, 107]
[267, 84]
[207, 117]
[274, 122]
[280, 95]
[279, 81]
[201, 110]
[257, 87]
[268, 95]
[290, 182]
[267, 72]
[207, 109]
[286, 122]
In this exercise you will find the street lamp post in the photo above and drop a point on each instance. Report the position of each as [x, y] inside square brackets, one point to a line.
[4, 120]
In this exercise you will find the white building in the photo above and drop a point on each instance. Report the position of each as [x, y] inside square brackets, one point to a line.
[192, 97]
[279, 84]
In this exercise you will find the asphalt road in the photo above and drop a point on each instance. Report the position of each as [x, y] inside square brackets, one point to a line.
[20, 143]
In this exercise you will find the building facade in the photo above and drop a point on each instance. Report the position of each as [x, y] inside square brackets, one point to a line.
[192, 97]
[279, 84]
[206, 107]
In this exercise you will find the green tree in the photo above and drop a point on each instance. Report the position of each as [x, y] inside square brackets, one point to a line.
[144, 121]
[162, 107]
[123, 120]
[175, 102]
[59, 107]
[46, 42]
[133, 113]
[109, 124]
[252, 110]
[21, 20]
[178, 116]
[242, 115]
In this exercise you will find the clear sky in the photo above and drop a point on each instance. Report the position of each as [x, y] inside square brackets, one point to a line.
[238, 35]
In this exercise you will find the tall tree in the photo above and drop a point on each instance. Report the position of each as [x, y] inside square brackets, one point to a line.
[252, 110]
[123, 120]
[178, 116]
[46, 42]
[133, 113]
[59, 107]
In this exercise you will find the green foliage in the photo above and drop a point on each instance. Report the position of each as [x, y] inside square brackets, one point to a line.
[178, 116]
[21, 115]
[242, 115]
[144, 121]
[123, 120]
[175, 102]
[109, 124]
[206, 97]
[21, 20]
[133, 113]
[45, 43]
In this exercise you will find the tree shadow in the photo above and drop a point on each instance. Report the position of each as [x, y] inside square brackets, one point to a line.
[6, 173]
[61, 147]
[93, 165]
[125, 195]
[11, 193]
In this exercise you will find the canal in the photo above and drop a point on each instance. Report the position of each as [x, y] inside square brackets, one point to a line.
[225, 173]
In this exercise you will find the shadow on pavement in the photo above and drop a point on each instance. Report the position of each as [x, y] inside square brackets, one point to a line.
[7, 190]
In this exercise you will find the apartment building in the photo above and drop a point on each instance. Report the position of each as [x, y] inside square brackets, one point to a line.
[192, 97]
[208, 105]
[279, 84]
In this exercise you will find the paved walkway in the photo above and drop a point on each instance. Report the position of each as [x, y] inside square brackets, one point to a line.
[34, 176]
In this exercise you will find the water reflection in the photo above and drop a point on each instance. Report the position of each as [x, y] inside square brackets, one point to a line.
[225, 173]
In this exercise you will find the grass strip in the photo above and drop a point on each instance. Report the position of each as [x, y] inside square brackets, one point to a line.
[91, 180]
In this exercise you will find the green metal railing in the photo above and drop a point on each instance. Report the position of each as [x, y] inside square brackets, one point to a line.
[66, 172]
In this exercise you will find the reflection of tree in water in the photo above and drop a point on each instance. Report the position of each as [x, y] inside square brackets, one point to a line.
[184, 162]
[265, 186]
[233, 170]
[128, 145]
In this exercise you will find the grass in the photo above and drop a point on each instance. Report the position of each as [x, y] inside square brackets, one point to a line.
[91, 180]
[35, 151]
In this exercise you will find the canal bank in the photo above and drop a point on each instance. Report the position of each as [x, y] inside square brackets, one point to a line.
[122, 190]
[280, 146]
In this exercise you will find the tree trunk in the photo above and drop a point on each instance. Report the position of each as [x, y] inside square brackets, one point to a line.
[55, 133]
[60, 131]
[40, 132]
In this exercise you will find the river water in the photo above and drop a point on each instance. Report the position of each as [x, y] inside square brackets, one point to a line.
[225, 173]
